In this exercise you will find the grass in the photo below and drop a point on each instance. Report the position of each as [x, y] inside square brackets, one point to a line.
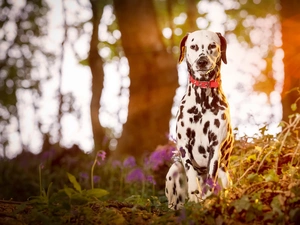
[80, 189]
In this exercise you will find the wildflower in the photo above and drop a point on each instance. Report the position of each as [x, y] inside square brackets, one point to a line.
[101, 154]
[150, 179]
[83, 175]
[96, 179]
[161, 155]
[182, 216]
[135, 175]
[116, 163]
[48, 154]
[129, 162]
[42, 166]
[210, 184]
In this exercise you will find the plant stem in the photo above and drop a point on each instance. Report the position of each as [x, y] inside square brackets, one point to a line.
[92, 172]
[40, 178]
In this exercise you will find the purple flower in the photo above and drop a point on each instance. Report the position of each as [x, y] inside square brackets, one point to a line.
[182, 216]
[48, 154]
[116, 164]
[101, 154]
[129, 162]
[211, 184]
[150, 179]
[161, 155]
[84, 175]
[96, 179]
[135, 175]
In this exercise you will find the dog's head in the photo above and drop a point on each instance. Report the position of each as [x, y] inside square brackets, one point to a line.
[203, 51]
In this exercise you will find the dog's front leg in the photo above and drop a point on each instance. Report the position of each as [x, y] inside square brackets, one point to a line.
[194, 183]
[213, 165]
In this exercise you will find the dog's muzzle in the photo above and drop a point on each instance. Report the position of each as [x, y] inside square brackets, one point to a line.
[202, 63]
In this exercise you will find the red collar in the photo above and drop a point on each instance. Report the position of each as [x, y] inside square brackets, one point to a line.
[205, 84]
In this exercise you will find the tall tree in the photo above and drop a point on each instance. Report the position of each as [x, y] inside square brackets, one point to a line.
[96, 65]
[192, 14]
[290, 20]
[153, 76]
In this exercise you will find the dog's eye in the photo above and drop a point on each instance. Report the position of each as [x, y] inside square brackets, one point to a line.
[193, 47]
[212, 46]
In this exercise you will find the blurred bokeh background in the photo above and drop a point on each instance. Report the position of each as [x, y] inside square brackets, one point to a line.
[103, 74]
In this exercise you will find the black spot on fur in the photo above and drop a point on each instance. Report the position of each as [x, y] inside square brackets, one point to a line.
[217, 123]
[180, 198]
[180, 182]
[193, 110]
[189, 147]
[214, 102]
[190, 133]
[174, 189]
[170, 178]
[191, 120]
[215, 143]
[189, 91]
[211, 136]
[166, 191]
[209, 149]
[179, 136]
[215, 168]
[223, 116]
[193, 39]
[201, 170]
[187, 166]
[197, 117]
[182, 152]
[223, 103]
[202, 46]
[180, 112]
[206, 126]
[182, 123]
[201, 149]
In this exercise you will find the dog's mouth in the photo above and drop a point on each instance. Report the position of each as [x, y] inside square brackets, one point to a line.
[206, 70]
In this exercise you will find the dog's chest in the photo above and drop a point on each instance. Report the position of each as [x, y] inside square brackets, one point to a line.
[201, 122]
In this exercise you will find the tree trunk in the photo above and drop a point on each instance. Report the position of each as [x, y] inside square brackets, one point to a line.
[153, 75]
[96, 65]
[290, 20]
[192, 15]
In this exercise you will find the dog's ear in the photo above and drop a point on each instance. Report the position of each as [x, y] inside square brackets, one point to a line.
[182, 48]
[223, 48]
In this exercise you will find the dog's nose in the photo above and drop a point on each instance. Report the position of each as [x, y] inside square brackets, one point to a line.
[202, 61]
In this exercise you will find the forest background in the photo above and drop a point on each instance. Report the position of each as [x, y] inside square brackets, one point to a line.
[88, 94]
[85, 73]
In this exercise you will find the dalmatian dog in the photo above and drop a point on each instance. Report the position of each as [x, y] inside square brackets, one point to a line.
[203, 129]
